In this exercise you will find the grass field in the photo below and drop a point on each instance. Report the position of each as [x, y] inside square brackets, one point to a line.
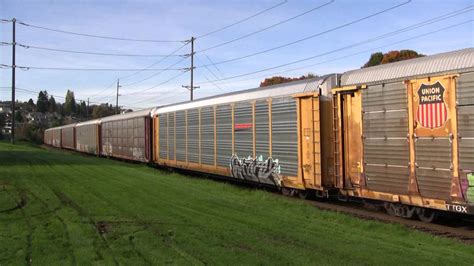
[57, 207]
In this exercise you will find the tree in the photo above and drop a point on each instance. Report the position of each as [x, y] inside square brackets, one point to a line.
[51, 104]
[18, 117]
[31, 105]
[279, 79]
[103, 110]
[70, 103]
[375, 60]
[42, 102]
[392, 56]
[3, 119]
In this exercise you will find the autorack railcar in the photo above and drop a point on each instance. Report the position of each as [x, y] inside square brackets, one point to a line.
[88, 137]
[405, 134]
[126, 136]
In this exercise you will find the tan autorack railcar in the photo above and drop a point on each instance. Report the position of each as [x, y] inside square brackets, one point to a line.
[87, 136]
[405, 134]
[68, 136]
[268, 135]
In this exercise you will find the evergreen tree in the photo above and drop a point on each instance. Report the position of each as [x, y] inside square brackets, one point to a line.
[70, 103]
[42, 102]
[31, 105]
[51, 104]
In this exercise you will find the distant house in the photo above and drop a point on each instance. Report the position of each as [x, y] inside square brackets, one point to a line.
[5, 108]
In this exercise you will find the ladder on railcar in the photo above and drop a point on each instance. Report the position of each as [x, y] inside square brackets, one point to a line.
[336, 129]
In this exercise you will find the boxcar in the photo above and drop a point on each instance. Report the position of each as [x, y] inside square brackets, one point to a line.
[126, 136]
[87, 136]
[48, 137]
[405, 134]
[68, 137]
[55, 137]
[258, 135]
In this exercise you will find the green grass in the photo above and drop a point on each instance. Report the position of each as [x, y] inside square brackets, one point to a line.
[85, 210]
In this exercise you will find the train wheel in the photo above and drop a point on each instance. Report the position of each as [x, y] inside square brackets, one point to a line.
[287, 192]
[303, 194]
[426, 215]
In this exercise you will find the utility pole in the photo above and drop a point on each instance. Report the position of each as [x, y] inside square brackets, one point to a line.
[192, 87]
[13, 82]
[116, 100]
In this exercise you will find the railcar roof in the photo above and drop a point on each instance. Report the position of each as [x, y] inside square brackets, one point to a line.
[90, 122]
[141, 113]
[438, 64]
[249, 94]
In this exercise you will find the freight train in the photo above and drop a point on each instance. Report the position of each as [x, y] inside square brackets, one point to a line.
[400, 135]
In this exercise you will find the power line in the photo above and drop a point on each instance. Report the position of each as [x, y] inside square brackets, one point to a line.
[99, 36]
[93, 69]
[267, 28]
[242, 20]
[156, 74]
[309, 37]
[91, 53]
[156, 86]
[343, 48]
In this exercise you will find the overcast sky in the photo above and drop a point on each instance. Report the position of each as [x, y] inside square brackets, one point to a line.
[179, 20]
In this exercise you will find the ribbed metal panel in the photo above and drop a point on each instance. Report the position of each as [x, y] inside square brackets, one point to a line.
[56, 137]
[171, 142]
[436, 64]
[387, 178]
[224, 135]
[193, 135]
[385, 128]
[86, 138]
[181, 136]
[163, 136]
[285, 135]
[207, 135]
[243, 144]
[387, 151]
[67, 137]
[466, 133]
[434, 183]
[465, 88]
[391, 96]
[391, 124]
[261, 129]
[433, 161]
[466, 154]
[125, 138]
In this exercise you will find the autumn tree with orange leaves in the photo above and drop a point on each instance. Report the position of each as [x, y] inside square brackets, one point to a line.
[279, 79]
[392, 56]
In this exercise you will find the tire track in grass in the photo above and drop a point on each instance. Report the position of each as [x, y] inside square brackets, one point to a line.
[70, 203]
[61, 220]
[23, 201]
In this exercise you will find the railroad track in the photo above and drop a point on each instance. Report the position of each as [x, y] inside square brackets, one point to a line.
[459, 228]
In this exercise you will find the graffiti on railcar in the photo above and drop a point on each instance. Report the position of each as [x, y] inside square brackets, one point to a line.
[256, 169]
[467, 185]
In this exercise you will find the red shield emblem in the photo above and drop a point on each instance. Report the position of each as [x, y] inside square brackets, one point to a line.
[432, 112]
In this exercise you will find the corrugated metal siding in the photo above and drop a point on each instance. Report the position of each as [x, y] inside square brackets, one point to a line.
[171, 137]
[181, 136]
[193, 135]
[207, 135]
[67, 137]
[285, 135]
[86, 138]
[243, 144]
[385, 128]
[224, 135]
[465, 89]
[433, 161]
[262, 129]
[56, 137]
[465, 99]
[429, 65]
[163, 136]
[125, 138]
